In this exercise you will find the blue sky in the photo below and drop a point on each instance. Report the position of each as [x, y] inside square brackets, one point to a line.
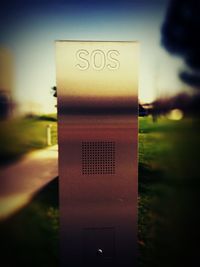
[29, 29]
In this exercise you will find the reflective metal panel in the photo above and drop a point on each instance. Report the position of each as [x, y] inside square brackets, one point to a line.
[97, 86]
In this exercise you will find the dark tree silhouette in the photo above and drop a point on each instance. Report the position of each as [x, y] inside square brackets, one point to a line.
[54, 89]
[4, 106]
[180, 36]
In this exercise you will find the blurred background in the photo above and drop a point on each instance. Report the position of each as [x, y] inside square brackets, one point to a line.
[169, 83]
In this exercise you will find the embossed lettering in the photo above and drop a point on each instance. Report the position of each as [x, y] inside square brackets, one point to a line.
[85, 63]
[94, 59]
[98, 59]
[115, 61]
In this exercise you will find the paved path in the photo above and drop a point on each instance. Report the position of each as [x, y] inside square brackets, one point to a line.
[21, 180]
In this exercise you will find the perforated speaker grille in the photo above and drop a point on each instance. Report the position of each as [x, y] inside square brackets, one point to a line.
[98, 157]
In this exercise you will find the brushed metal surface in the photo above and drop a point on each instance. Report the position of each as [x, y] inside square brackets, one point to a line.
[98, 211]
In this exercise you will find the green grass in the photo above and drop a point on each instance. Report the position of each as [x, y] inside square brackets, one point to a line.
[30, 238]
[168, 202]
[168, 191]
[19, 136]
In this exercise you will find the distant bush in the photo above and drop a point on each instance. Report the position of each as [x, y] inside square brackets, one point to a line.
[48, 118]
[31, 116]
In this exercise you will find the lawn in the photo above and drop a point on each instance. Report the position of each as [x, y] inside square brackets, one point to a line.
[168, 188]
[30, 238]
[21, 135]
[168, 192]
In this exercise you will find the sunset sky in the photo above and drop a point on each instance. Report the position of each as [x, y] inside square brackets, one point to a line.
[29, 30]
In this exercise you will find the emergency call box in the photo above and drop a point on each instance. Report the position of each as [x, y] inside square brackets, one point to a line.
[97, 88]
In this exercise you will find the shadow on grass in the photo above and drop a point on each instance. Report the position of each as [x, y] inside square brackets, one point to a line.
[148, 177]
[49, 194]
[30, 237]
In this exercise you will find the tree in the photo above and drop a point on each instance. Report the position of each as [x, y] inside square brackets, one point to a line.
[4, 106]
[180, 36]
[54, 89]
